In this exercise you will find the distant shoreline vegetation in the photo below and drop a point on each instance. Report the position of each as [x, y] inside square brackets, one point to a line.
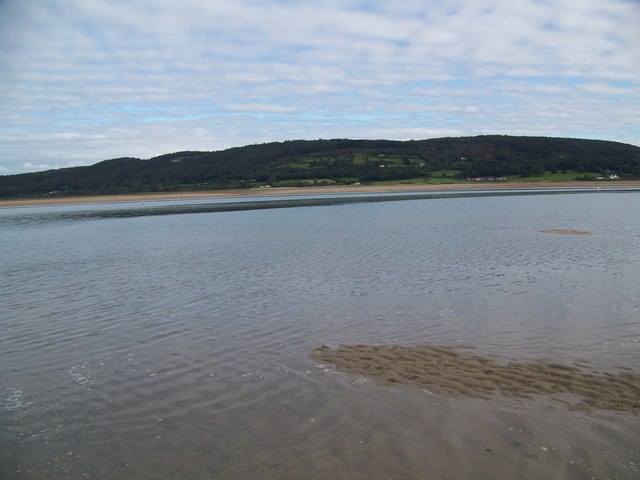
[482, 159]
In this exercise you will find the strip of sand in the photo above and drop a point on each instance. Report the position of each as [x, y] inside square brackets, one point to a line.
[283, 191]
[450, 371]
[562, 231]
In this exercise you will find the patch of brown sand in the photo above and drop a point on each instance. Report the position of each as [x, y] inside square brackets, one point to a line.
[455, 372]
[561, 231]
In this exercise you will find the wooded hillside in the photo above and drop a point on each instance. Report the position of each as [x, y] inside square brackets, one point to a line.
[336, 161]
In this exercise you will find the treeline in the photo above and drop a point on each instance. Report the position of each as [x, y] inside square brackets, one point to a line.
[338, 160]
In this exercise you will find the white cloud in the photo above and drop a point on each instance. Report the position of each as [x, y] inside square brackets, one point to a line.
[85, 80]
[35, 167]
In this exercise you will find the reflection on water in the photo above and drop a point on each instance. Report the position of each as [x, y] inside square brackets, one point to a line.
[179, 346]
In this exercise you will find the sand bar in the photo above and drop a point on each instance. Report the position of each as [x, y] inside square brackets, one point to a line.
[456, 372]
[283, 191]
[563, 231]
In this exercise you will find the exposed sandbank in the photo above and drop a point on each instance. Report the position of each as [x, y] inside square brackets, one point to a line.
[457, 372]
[142, 197]
[562, 231]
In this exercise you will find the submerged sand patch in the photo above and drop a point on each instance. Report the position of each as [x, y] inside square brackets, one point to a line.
[455, 372]
[562, 231]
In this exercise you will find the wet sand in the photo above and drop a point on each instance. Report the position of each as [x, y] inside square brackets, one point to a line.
[457, 372]
[281, 191]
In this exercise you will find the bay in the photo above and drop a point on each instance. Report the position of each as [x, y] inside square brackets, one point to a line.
[140, 343]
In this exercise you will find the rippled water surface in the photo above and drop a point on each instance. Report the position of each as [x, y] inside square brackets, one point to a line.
[159, 345]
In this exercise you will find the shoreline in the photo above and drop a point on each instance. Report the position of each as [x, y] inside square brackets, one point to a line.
[285, 191]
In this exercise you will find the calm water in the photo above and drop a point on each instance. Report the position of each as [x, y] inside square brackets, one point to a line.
[177, 346]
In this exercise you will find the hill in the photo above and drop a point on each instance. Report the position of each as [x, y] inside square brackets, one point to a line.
[303, 162]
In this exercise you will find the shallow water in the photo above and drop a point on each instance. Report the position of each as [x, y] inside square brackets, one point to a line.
[178, 346]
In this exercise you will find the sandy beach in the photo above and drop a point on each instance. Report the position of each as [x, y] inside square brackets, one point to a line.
[280, 191]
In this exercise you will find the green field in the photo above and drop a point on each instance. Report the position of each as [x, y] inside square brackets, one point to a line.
[444, 177]
[555, 177]
[304, 182]
[404, 181]
[438, 177]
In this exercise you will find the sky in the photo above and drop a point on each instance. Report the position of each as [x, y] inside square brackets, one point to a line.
[86, 80]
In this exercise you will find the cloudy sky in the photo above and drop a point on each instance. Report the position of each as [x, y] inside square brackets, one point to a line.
[87, 80]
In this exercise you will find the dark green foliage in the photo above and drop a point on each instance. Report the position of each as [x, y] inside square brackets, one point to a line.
[335, 160]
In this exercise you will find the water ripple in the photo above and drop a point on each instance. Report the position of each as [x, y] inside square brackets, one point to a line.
[187, 338]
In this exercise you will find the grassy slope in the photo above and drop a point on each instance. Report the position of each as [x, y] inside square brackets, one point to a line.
[444, 177]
